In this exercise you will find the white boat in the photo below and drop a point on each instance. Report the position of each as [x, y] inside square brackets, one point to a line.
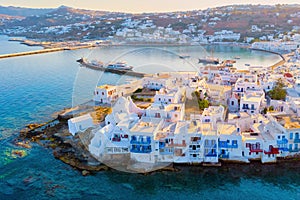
[93, 63]
[119, 66]
[183, 56]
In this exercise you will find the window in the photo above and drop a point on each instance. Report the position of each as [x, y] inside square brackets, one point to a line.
[169, 100]
[296, 136]
[232, 103]
[102, 93]
[278, 137]
[234, 142]
[158, 99]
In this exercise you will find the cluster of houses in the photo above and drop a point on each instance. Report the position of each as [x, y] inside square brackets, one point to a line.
[233, 128]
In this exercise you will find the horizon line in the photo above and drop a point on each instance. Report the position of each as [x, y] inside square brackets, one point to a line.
[146, 12]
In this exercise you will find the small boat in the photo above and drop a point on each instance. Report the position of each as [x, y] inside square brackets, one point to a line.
[209, 60]
[247, 64]
[228, 63]
[119, 66]
[93, 63]
[237, 57]
[184, 56]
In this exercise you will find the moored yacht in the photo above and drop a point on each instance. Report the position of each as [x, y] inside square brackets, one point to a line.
[119, 66]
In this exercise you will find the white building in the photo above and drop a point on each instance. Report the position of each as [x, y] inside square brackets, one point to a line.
[80, 124]
[105, 94]
[251, 103]
[156, 83]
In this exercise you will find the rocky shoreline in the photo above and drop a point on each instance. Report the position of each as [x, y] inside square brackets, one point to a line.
[73, 151]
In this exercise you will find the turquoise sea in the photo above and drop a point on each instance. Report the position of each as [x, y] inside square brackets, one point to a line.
[33, 87]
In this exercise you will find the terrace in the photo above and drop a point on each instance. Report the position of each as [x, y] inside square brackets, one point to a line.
[288, 121]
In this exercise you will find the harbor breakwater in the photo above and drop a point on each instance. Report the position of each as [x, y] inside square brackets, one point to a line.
[42, 51]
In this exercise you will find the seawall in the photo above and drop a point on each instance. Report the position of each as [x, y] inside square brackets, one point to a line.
[10, 55]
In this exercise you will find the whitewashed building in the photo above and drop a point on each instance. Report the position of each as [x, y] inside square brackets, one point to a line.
[80, 124]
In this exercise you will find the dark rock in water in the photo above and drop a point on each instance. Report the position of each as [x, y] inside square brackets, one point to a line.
[85, 173]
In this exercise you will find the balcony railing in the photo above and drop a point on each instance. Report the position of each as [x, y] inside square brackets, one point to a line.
[145, 142]
[225, 155]
[283, 148]
[256, 150]
[283, 141]
[223, 144]
[211, 154]
[297, 140]
[136, 150]
[294, 150]
[272, 151]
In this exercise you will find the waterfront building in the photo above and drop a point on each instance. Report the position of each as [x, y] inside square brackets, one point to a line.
[289, 137]
[142, 146]
[80, 124]
[229, 142]
[158, 82]
[210, 141]
[105, 94]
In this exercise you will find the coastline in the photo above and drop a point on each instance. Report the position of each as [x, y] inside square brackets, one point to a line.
[75, 154]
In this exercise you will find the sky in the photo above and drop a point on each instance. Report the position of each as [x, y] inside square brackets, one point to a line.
[138, 6]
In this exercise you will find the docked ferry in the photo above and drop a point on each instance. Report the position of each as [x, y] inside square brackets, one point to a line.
[209, 60]
[119, 66]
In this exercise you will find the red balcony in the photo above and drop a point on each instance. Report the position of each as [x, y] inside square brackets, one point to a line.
[272, 150]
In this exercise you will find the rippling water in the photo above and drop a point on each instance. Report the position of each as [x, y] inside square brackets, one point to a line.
[33, 87]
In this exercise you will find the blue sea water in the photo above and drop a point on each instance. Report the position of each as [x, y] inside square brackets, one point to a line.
[33, 87]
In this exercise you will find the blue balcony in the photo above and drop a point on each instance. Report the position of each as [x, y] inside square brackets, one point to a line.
[211, 154]
[162, 145]
[224, 155]
[296, 140]
[140, 149]
[283, 141]
[135, 140]
[293, 150]
[283, 148]
[225, 144]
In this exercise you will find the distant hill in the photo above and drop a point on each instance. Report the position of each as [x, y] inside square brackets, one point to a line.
[24, 12]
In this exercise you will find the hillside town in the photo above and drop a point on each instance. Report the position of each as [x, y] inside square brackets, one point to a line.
[250, 115]
[237, 23]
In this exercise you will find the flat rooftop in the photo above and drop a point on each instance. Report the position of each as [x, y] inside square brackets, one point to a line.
[106, 86]
[288, 121]
[145, 125]
[226, 129]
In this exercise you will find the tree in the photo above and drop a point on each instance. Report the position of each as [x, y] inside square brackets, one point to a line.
[203, 104]
[278, 93]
